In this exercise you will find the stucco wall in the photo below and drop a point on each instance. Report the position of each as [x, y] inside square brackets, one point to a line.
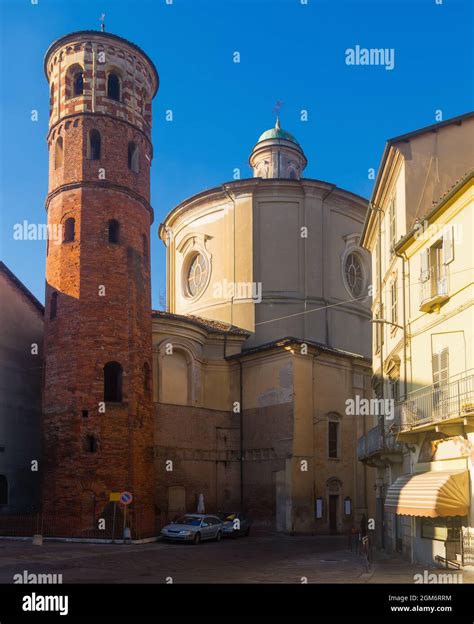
[286, 239]
[21, 326]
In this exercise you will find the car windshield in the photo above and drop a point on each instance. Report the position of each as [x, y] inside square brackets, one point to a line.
[193, 520]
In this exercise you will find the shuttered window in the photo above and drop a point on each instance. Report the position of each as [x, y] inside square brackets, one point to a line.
[394, 301]
[440, 367]
[440, 364]
[448, 246]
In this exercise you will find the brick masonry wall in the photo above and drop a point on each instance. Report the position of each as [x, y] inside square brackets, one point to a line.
[204, 447]
[104, 305]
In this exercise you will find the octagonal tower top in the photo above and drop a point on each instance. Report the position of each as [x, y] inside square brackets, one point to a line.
[97, 72]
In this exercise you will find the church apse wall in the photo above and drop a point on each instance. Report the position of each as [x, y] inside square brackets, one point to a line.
[197, 431]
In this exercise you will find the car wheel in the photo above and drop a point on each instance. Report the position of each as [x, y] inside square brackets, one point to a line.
[197, 539]
[219, 536]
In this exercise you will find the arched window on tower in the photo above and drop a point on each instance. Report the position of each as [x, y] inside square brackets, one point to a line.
[114, 231]
[133, 157]
[113, 87]
[51, 98]
[113, 382]
[58, 153]
[53, 306]
[74, 81]
[69, 230]
[93, 145]
[146, 379]
[78, 84]
[3, 490]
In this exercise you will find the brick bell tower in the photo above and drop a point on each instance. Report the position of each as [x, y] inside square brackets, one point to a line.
[97, 402]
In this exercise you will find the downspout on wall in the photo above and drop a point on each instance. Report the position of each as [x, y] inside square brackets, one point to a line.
[405, 380]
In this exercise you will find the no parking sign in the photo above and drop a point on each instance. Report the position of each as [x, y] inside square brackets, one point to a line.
[126, 498]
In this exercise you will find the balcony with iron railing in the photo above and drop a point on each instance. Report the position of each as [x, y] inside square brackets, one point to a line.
[451, 401]
[434, 287]
[380, 443]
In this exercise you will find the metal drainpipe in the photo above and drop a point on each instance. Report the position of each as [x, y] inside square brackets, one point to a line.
[229, 195]
[405, 381]
[382, 420]
[382, 314]
[405, 393]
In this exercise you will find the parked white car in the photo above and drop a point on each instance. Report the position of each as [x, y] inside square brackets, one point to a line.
[194, 528]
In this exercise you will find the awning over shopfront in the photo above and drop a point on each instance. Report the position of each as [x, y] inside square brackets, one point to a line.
[430, 494]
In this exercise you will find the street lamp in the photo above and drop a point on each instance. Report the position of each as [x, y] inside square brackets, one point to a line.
[387, 323]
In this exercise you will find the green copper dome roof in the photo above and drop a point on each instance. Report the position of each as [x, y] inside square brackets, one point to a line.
[277, 133]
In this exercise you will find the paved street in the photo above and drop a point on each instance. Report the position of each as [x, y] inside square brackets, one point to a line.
[264, 558]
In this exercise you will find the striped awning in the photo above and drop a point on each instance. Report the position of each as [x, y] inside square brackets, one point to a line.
[430, 494]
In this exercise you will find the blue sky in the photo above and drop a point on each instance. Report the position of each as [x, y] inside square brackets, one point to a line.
[289, 51]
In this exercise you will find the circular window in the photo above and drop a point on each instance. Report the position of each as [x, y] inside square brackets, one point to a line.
[354, 274]
[196, 275]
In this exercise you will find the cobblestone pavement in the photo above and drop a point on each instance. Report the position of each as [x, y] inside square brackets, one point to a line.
[265, 558]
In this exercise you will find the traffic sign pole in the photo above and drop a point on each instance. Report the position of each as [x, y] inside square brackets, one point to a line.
[113, 523]
[125, 498]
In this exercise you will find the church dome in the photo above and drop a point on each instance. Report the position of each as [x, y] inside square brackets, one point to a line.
[277, 133]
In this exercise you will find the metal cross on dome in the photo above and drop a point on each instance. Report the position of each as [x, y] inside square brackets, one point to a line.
[102, 22]
[277, 107]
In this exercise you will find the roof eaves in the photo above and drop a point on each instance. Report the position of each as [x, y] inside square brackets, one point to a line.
[18, 284]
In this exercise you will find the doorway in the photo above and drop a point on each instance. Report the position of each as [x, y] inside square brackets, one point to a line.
[333, 506]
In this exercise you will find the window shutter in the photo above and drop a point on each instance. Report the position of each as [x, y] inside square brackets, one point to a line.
[435, 367]
[448, 246]
[440, 363]
[425, 265]
[443, 366]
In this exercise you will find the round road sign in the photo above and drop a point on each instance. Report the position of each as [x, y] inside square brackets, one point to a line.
[126, 498]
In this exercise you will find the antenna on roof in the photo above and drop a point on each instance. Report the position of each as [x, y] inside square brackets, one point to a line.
[102, 22]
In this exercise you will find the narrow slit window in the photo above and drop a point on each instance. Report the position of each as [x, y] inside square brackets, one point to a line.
[114, 231]
[58, 153]
[69, 230]
[93, 145]
[333, 434]
[133, 163]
